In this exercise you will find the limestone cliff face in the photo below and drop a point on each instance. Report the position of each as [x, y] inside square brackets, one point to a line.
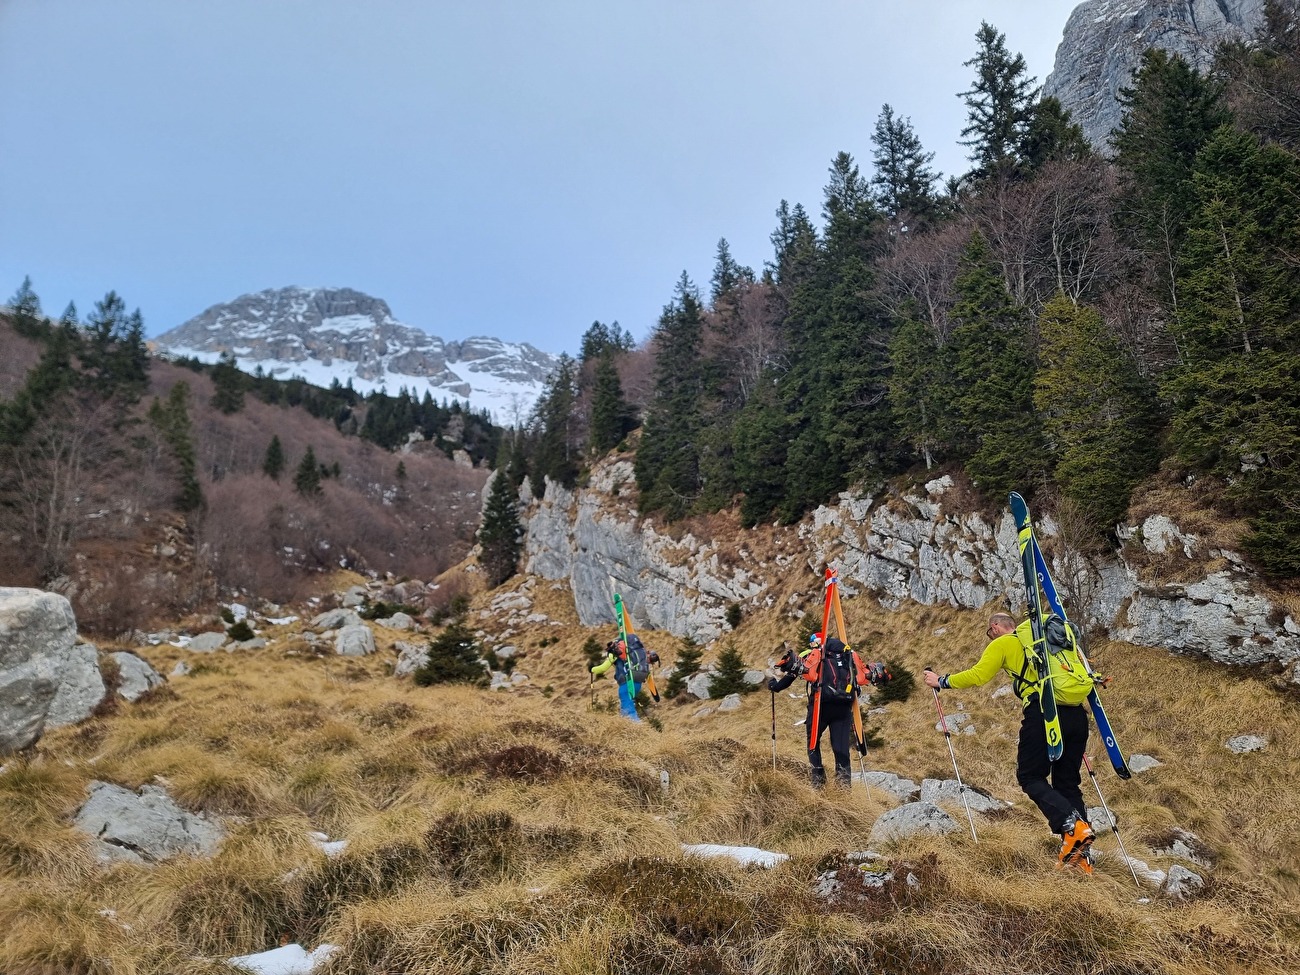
[913, 547]
[1104, 41]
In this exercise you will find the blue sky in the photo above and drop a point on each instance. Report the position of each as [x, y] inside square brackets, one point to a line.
[516, 169]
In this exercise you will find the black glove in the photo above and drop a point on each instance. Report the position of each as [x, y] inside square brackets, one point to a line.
[878, 675]
[773, 685]
[652, 656]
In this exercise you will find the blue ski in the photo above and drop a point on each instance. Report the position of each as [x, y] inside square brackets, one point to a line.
[1094, 700]
[1037, 654]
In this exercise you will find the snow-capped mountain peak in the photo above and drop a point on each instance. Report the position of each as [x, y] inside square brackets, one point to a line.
[323, 334]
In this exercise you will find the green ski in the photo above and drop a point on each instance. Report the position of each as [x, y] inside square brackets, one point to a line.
[1038, 654]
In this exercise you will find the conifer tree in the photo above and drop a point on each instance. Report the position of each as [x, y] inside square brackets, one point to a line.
[687, 664]
[173, 422]
[306, 480]
[1171, 111]
[555, 454]
[273, 462]
[759, 438]
[454, 657]
[1051, 135]
[25, 311]
[729, 676]
[1002, 440]
[903, 183]
[920, 390]
[999, 106]
[835, 391]
[500, 536]
[1098, 412]
[1233, 396]
[229, 382]
[667, 462]
[611, 416]
[131, 360]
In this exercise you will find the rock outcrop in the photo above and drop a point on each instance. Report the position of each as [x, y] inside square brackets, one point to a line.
[916, 546]
[37, 634]
[1105, 39]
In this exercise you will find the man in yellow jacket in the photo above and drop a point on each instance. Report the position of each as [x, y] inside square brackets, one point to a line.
[1053, 786]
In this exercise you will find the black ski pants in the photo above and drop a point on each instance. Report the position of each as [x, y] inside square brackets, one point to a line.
[838, 717]
[1053, 786]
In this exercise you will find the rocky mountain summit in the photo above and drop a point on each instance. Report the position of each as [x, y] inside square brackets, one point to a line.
[323, 334]
[1105, 39]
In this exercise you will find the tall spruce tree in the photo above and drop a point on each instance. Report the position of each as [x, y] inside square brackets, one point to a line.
[999, 106]
[835, 391]
[1099, 413]
[229, 382]
[759, 439]
[1001, 438]
[920, 390]
[1235, 394]
[1170, 113]
[612, 418]
[25, 311]
[555, 454]
[307, 479]
[500, 536]
[668, 462]
[273, 461]
[173, 422]
[903, 183]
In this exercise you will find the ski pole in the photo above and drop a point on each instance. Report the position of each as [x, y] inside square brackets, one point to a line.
[1114, 823]
[592, 681]
[774, 731]
[943, 723]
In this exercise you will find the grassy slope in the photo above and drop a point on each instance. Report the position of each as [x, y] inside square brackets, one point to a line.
[495, 832]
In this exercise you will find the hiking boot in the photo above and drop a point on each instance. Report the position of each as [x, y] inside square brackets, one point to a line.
[1076, 837]
[1084, 862]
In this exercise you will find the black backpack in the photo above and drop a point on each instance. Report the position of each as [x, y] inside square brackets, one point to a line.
[637, 658]
[837, 675]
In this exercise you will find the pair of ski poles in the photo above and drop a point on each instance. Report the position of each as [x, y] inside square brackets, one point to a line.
[1087, 762]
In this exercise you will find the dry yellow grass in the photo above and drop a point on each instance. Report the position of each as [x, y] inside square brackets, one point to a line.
[525, 832]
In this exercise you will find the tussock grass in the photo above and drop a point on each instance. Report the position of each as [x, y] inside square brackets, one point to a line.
[508, 832]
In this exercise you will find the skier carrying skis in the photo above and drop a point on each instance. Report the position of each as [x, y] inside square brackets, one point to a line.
[1053, 786]
[631, 661]
[844, 674]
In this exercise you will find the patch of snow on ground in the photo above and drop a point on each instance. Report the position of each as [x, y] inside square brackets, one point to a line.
[746, 856]
[286, 960]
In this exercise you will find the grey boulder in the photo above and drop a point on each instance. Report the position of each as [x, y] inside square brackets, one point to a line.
[207, 642]
[137, 677]
[950, 791]
[410, 658]
[354, 641]
[912, 819]
[81, 687]
[335, 619]
[37, 632]
[143, 827]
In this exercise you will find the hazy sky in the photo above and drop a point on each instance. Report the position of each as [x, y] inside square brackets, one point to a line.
[516, 169]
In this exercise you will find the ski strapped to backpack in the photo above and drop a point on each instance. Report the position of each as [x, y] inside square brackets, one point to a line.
[638, 658]
[830, 682]
[1037, 651]
[1113, 751]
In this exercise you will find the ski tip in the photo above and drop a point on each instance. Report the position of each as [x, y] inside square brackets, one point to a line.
[1124, 773]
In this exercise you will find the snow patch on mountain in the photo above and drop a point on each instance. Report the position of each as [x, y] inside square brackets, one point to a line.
[327, 334]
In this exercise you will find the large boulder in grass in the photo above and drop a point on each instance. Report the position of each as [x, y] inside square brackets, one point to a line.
[335, 619]
[145, 826]
[37, 634]
[354, 641]
[136, 676]
[81, 687]
[912, 819]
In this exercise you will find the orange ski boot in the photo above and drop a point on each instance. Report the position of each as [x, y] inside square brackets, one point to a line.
[1076, 837]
